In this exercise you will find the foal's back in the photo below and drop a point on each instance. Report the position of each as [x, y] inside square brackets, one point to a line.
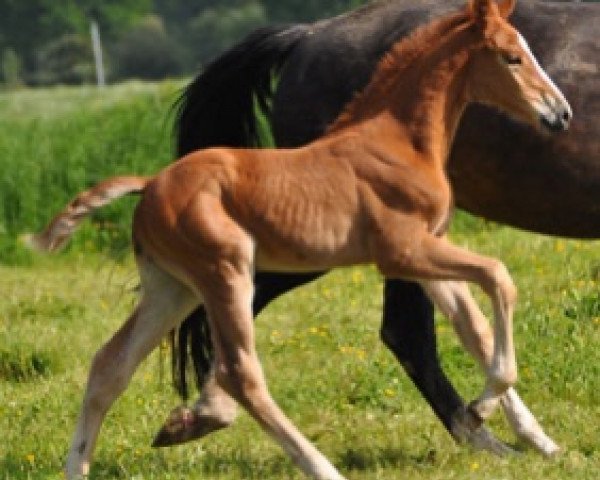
[285, 199]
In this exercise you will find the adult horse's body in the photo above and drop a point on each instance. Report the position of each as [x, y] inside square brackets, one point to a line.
[524, 179]
[374, 189]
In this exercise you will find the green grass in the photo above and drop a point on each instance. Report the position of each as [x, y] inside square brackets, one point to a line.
[325, 365]
[320, 345]
[56, 142]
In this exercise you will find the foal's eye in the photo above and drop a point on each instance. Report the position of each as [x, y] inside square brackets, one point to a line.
[512, 59]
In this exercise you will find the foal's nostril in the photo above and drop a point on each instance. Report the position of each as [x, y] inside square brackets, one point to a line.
[558, 120]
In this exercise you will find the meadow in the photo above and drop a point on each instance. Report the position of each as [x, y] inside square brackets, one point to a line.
[319, 345]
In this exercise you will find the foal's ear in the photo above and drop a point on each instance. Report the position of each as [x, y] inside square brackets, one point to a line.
[481, 9]
[484, 11]
[506, 7]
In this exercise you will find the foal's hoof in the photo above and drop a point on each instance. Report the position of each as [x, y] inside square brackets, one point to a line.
[185, 425]
[540, 442]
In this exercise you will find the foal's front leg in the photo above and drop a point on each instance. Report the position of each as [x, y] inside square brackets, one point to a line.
[408, 330]
[238, 370]
[456, 302]
[426, 257]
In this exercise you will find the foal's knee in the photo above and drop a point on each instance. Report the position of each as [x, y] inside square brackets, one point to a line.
[500, 282]
[502, 378]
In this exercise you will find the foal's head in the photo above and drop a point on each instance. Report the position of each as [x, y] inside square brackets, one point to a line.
[504, 65]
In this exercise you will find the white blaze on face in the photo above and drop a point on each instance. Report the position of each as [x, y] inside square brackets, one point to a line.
[549, 104]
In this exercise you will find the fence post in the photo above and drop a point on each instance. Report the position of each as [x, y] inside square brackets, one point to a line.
[97, 47]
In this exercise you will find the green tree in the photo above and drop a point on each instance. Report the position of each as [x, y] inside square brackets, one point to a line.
[11, 68]
[67, 60]
[27, 26]
[113, 16]
[147, 52]
[216, 28]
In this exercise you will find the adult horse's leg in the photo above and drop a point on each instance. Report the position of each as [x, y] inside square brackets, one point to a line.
[408, 330]
[458, 305]
[215, 409]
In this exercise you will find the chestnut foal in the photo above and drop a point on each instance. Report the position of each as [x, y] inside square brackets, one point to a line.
[372, 190]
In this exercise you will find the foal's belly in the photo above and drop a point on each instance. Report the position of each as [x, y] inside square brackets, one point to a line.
[267, 262]
[311, 251]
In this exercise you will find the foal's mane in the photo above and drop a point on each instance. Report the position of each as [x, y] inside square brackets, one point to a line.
[401, 56]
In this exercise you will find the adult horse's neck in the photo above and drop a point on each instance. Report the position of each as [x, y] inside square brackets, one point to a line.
[418, 92]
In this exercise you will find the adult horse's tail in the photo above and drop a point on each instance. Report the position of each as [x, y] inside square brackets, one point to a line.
[218, 109]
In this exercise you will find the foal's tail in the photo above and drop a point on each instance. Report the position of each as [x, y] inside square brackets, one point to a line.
[62, 226]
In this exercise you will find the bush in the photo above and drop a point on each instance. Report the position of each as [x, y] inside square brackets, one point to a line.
[68, 60]
[146, 52]
[22, 363]
[46, 160]
[11, 68]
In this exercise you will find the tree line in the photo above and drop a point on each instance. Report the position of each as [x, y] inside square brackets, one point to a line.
[45, 42]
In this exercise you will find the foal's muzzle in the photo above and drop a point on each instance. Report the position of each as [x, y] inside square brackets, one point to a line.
[556, 115]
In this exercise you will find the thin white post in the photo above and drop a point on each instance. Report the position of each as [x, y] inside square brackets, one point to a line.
[97, 47]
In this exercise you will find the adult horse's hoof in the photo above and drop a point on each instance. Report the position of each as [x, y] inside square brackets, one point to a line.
[468, 428]
[484, 439]
[184, 425]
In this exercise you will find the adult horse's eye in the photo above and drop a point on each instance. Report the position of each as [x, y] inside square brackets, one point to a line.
[512, 59]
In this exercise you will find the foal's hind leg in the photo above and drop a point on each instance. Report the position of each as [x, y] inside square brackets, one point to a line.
[214, 410]
[164, 303]
[457, 303]
[238, 370]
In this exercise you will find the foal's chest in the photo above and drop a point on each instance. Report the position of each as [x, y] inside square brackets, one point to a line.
[411, 189]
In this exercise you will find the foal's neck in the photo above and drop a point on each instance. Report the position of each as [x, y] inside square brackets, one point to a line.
[418, 93]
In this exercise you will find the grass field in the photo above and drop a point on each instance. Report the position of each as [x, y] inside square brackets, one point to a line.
[320, 348]
[56, 142]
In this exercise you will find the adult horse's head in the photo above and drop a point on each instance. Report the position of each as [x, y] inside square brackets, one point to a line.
[506, 64]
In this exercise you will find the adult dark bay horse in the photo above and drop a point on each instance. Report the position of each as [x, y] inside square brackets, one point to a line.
[373, 189]
[511, 174]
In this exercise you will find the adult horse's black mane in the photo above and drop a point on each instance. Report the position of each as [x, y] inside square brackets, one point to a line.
[521, 178]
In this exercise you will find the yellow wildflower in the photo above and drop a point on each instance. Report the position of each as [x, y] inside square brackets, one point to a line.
[389, 392]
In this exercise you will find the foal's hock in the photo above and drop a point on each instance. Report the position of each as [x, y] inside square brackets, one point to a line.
[372, 190]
